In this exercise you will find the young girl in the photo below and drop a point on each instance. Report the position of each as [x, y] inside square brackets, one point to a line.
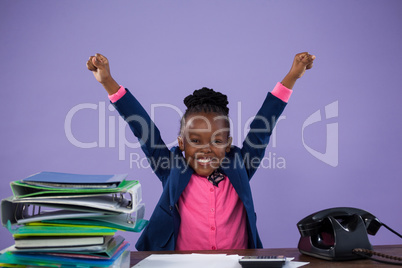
[206, 203]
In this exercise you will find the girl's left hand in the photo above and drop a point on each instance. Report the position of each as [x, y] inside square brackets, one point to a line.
[302, 62]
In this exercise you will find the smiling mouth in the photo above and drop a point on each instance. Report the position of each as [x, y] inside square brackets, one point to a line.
[204, 161]
[207, 161]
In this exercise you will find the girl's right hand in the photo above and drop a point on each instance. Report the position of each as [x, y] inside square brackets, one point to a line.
[99, 65]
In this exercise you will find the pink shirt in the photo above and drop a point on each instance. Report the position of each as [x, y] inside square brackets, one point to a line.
[212, 217]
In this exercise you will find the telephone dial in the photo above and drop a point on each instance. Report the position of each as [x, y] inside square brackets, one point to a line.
[338, 233]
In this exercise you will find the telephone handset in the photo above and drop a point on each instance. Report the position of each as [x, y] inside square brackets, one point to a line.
[336, 233]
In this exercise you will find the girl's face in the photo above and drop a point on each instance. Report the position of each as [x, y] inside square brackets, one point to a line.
[205, 141]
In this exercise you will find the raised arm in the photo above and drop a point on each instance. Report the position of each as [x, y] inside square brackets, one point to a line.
[261, 127]
[136, 117]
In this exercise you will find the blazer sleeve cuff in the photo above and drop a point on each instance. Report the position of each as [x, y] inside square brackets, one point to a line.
[117, 96]
[282, 92]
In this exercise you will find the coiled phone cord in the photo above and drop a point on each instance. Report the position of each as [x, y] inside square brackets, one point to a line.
[369, 253]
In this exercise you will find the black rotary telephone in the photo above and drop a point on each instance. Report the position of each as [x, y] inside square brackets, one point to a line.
[338, 233]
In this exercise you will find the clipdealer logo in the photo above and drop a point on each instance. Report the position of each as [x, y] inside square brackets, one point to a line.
[112, 128]
[331, 154]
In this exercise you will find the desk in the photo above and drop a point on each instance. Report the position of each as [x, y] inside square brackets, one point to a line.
[395, 250]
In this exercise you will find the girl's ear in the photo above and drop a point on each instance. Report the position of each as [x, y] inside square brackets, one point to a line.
[181, 143]
[229, 144]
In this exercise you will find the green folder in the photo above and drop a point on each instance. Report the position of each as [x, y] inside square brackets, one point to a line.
[28, 231]
[111, 222]
[22, 190]
[107, 250]
[12, 259]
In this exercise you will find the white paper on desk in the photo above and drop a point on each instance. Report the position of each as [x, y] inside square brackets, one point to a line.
[198, 261]
[190, 260]
[293, 264]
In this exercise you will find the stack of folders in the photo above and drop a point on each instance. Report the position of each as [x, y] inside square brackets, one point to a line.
[71, 220]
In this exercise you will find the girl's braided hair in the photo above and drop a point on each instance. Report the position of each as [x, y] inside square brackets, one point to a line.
[206, 100]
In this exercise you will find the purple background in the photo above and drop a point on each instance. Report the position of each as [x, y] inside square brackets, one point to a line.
[163, 50]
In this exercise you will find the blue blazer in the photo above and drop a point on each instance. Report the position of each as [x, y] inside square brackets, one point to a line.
[172, 170]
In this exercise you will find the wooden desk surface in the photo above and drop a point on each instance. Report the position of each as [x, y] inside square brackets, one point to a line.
[395, 250]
